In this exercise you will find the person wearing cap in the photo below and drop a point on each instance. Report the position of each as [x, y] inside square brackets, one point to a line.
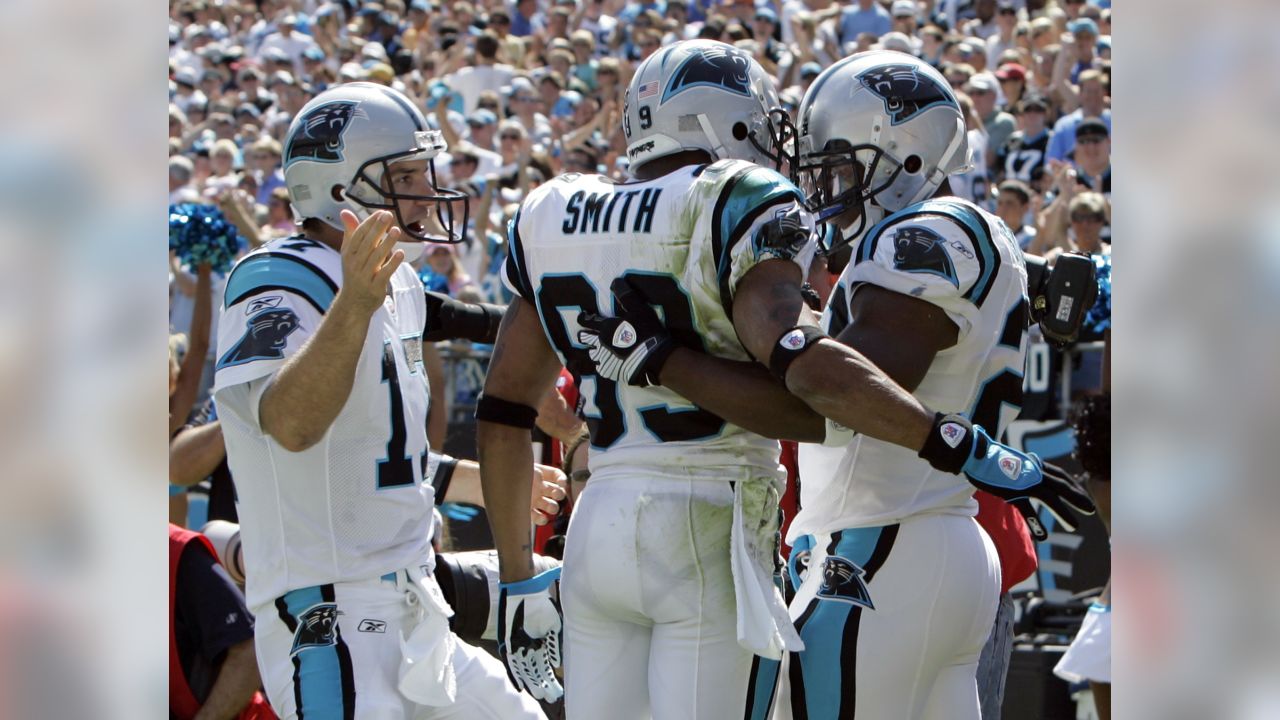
[1023, 156]
[905, 17]
[1092, 158]
[982, 89]
[187, 93]
[287, 40]
[1093, 103]
[1084, 49]
[867, 16]
[1004, 38]
[1013, 81]
[526, 20]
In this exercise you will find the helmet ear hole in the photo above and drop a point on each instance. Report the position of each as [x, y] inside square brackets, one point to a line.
[336, 193]
[912, 164]
[740, 131]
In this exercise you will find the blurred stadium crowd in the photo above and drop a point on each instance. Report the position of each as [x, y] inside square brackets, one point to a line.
[527, 90]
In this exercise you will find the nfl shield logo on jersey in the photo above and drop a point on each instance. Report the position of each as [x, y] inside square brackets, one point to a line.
[316, 627]
[842, 580]
[1010, 466]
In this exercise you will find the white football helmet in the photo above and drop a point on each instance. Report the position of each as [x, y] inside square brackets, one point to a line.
[338, 150]
[704, 95]
[878, 131]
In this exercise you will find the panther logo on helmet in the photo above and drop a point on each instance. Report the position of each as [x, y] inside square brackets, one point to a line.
[920, 250]
[725, 67]
[320, 135]
[905, 91]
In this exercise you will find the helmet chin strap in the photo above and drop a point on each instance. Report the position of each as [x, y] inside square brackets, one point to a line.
[718, 150]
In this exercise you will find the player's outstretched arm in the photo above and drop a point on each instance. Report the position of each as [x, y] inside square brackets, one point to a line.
[307, 394]
[522, 368]
[835, 380]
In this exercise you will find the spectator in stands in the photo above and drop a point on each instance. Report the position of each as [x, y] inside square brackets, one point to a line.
[1093, 103]
[972, 184]
[1013, 82]
[485, 74]
[524, 107]
[999, 124]
[1013, 205]
[1023, 156]
[867, 16]
[983, 25]
[1004, 38]
[180, 171]
[213, 671]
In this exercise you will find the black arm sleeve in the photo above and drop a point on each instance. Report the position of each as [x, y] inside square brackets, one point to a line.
[449, 319]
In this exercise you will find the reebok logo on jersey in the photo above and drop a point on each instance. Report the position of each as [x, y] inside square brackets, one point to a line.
[1010, 466]
[263, 303]
[793, 340]
[372, 626]
[952, 434]
[625, 336]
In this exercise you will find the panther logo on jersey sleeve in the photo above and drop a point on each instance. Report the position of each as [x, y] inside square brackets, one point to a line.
[721, 67]
[321, 135]
[266, 337]
[906, 93]
[842, 580]
[316, 627]
[918, 249]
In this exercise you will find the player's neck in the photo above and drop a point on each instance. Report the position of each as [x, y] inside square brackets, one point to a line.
[324, 234]
[670, 163]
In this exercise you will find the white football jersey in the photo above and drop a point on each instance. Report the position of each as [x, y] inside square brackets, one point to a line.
[684, 241]
[963, 259]
[353, 506]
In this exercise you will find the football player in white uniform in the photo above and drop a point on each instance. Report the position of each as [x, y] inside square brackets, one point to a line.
[323, 401]
[668, 578]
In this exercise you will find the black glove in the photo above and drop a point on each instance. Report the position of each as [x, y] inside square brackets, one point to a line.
[956, 445]
[631, 347]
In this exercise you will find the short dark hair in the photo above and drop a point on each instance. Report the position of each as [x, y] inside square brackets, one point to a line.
[1091, 419]
[487, 45]
[1018, 188]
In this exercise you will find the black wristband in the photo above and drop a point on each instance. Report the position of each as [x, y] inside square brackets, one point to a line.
[443, 476]
[949, 444]
[793, 343]
[504, 412]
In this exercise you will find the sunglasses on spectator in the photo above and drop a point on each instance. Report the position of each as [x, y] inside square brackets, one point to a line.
[1008, 11]
[508, 136]
[1090, 139]
[499, 21]
[1087, 218]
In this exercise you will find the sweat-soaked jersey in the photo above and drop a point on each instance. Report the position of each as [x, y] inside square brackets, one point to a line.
[684, 241]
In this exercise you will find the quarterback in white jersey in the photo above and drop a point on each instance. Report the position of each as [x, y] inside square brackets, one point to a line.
[323, 399]
[677, 279]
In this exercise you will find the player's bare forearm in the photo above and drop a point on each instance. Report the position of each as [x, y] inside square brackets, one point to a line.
[307, 394]
[834, 380]
[521, 370]
[184, 395]
[237, 682]
[194, 453]
[744, 393]
[506, 455]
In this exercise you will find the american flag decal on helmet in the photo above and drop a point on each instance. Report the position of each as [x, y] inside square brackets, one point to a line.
[647, 90]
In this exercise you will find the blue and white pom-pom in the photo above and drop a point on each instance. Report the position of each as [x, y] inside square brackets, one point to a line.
[1098, 320]
[201, 234]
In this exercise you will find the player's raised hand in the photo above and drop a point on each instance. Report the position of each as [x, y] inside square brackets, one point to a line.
[369, 257]
[957, 445]
[529, 634]
[631, 347]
